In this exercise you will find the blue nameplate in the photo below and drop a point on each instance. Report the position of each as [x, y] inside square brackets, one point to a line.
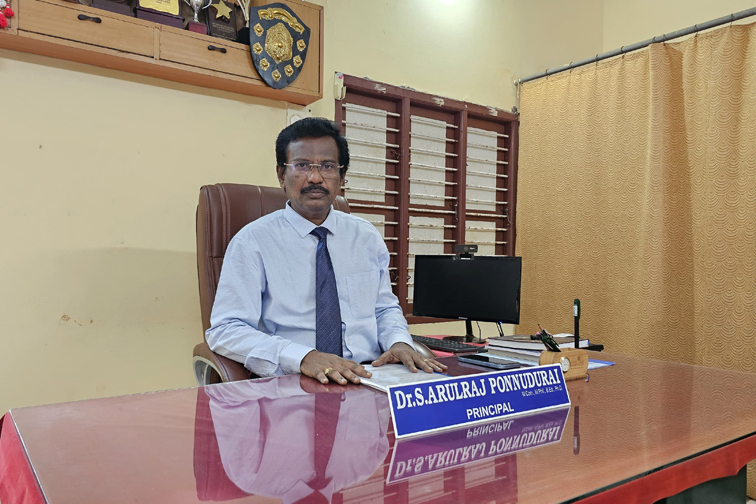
[452, 402]
[445, 450]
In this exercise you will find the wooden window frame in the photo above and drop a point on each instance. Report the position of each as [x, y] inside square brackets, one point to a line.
[403, 103]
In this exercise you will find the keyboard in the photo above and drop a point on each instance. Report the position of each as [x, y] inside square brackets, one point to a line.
[446, 345]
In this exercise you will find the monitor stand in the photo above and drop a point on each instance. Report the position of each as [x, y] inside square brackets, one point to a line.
[467, 338]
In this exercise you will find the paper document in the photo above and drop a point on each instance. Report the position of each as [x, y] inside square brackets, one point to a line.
[396, 374]
[593, 364]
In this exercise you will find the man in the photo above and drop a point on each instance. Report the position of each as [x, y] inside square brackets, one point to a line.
[306, 289]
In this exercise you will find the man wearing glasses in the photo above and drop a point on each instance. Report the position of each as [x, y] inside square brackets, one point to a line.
[306, 289]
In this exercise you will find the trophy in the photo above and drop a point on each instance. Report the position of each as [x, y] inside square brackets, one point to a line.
[243, 35]
[195, 25]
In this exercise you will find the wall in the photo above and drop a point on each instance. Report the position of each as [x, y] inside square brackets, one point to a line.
[552, 34]
[626, 23]
[101, 171]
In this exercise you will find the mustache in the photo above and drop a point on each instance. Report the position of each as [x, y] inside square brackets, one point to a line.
[311, 188]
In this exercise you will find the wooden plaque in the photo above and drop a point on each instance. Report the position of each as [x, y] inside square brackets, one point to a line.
[222, 27]
[171, 7]
[121, 7]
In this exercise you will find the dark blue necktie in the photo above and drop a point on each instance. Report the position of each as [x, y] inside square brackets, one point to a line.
[327, 312]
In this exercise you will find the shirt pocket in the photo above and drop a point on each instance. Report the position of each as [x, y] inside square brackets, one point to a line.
[363, 292]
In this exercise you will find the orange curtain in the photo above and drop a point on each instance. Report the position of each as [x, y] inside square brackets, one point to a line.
[637, 195]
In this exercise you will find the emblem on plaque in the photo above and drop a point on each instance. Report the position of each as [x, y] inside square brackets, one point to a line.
[279, 41]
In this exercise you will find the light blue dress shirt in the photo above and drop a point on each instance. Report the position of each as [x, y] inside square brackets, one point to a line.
[264, 311]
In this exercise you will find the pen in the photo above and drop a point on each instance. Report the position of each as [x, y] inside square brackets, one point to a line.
[576, 314]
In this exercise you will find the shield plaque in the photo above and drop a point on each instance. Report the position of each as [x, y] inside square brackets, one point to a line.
[279, 42]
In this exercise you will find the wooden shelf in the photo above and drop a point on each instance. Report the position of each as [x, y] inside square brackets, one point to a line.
[53, 28]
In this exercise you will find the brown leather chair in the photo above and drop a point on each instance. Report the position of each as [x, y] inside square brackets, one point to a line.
[222, 211]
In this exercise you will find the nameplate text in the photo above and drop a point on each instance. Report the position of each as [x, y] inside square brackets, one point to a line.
[452, 402]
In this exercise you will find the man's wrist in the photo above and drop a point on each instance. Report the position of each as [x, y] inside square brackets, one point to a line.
[291, 357]
[401, 343]
[397, 337]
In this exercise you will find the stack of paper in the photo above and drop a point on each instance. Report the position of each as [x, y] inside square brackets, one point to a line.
[396, 374]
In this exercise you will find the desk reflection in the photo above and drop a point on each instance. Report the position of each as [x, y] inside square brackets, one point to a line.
[289, 437]
[424, 455]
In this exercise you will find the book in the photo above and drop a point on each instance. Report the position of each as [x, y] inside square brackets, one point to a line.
[525, 343]
[516, 354]
[532, 357]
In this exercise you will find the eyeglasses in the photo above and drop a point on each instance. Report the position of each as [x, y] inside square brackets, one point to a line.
[327, 170]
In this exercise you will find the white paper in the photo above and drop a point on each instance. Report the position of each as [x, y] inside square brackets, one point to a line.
[389, 375]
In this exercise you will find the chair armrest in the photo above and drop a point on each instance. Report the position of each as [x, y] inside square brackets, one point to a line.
[226, 369]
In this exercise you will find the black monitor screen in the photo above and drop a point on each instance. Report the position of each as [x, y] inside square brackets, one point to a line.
[483, 288]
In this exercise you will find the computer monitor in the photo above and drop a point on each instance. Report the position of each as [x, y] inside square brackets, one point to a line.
[482, 288]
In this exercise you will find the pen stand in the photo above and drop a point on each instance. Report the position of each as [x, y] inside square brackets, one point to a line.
[574, 362]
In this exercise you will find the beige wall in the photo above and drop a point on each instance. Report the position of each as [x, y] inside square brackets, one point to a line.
[626, 22]
[554, 33]
[101, 171]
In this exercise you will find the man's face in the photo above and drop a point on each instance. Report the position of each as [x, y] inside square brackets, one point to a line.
[311, 194]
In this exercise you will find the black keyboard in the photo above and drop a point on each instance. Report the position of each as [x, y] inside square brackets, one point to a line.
[446, 345]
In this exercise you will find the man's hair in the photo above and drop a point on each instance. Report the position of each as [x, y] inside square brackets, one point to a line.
[312, 127]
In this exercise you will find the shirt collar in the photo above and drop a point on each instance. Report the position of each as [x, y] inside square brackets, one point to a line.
[305, 227]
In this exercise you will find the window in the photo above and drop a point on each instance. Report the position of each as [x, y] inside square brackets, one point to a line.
[429, 173]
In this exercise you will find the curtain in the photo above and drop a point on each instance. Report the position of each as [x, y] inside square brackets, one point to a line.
[637, 195]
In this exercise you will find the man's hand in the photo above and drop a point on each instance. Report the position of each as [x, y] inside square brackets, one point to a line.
[324, 366]
[402, 352]
[314, 387]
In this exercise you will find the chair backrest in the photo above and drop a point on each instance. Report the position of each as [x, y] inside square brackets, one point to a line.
[222, 211]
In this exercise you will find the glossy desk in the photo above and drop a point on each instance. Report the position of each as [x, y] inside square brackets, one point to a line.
[637, 432]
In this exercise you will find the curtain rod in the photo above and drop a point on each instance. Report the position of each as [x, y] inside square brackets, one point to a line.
[640, 45]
